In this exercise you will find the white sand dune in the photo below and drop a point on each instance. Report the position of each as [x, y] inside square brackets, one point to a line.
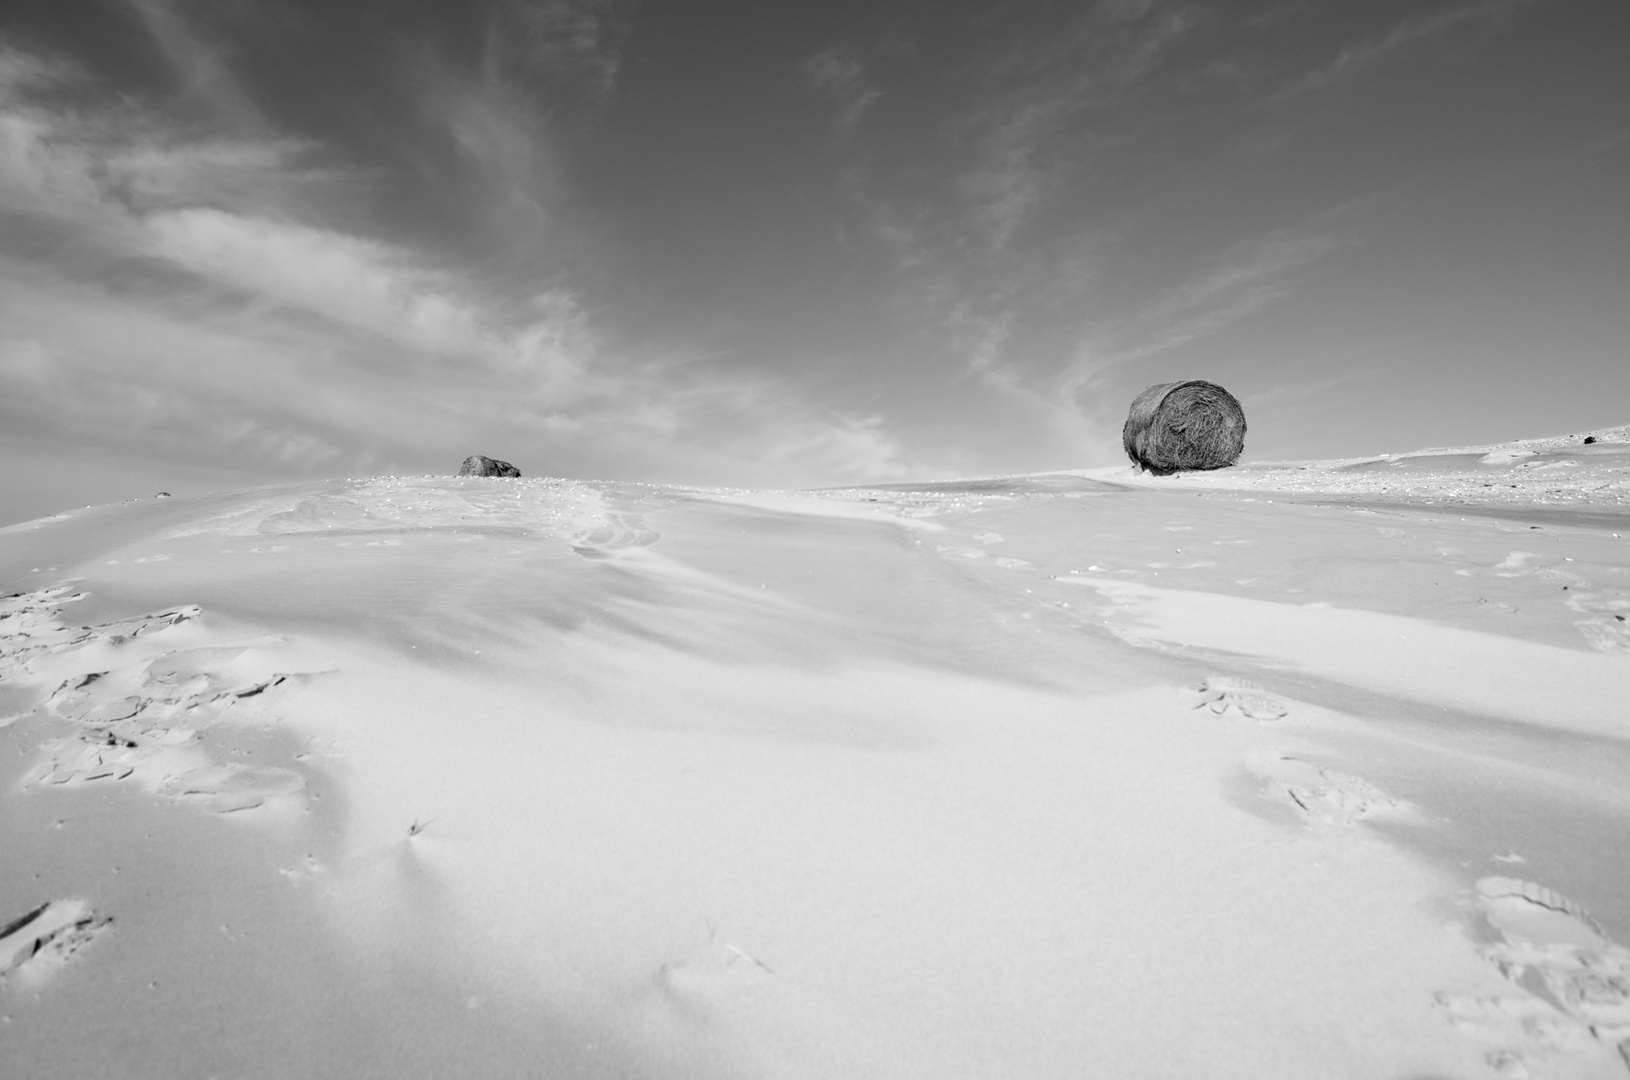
[1259, 774]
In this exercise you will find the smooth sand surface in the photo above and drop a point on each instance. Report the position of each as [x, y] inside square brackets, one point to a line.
[1084, 774]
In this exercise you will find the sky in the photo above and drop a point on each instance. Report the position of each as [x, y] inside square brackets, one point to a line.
[751, 243]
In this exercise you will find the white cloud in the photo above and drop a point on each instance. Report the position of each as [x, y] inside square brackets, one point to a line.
[359, 283]
[45, 165]
[229, 174]
[22, 72]
[26, 365]
[849, 448]
[770, 425]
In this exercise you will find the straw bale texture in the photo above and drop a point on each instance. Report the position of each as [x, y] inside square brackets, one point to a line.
[1182, 426]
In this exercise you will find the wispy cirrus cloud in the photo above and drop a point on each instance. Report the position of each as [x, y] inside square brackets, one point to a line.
[1051, 106]
[1080, 397]
[1363, 55]
[203, 78]
[1244, 279]
[840, 75]
[569, 50]
[1157, 33]
[1000, 242]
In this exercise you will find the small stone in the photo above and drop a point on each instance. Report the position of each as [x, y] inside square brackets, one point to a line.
[481, 465]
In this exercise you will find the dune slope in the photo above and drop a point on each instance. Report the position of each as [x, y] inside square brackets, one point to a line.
[1060, 776]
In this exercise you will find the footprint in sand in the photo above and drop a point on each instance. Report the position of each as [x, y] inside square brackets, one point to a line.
[35, 943]
[30, 626]
[1570, 1004]
[1323, 796]
[38, 607]
[117, 733]
[1606, 635]
[1608, 626]
[1222, 693]
[71, 763]
[612, 536]
[83, 708]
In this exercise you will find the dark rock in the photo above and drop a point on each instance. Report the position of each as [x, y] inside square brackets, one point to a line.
[1589, 439]
[162, 495]
[481, 465]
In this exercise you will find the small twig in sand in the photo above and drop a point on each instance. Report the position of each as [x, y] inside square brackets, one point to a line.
[749, 957]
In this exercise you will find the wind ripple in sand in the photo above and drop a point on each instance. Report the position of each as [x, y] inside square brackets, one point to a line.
[615, 533]
[1571, 1007]
[537, 504]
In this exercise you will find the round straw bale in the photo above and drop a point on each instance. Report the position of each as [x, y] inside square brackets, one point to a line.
[1179, 426]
